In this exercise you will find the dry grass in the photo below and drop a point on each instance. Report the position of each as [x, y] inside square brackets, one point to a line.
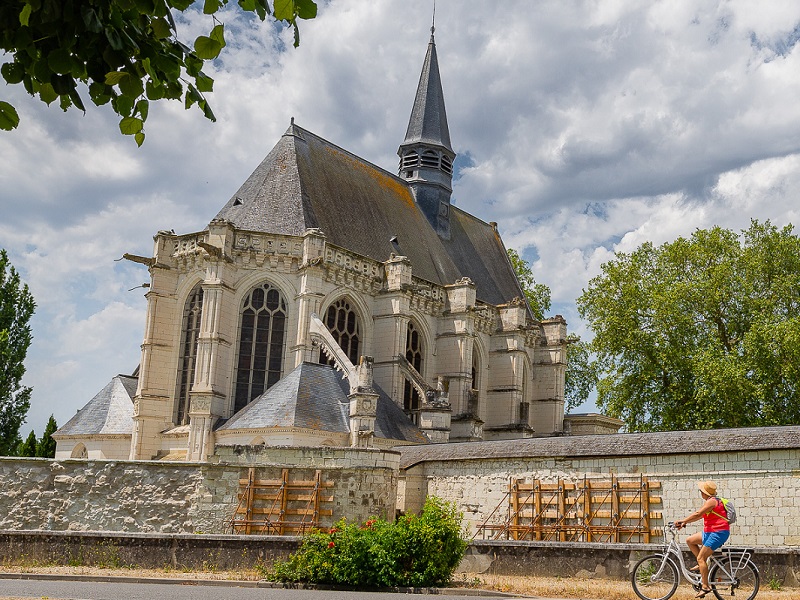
[592, 588]
[547, 587]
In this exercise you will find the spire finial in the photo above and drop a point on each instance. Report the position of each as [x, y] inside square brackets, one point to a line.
[433, 20]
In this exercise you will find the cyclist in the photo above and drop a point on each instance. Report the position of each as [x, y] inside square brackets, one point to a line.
[716, 531]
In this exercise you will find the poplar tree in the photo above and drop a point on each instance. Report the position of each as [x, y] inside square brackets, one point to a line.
[16, 309]
[46, 447]
[28, 447]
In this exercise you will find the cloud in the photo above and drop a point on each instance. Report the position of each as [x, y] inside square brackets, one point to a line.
[589, 128]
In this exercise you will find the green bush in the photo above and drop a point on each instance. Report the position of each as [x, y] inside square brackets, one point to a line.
[414, 551]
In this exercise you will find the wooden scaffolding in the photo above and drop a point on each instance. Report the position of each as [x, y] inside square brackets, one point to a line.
[590, 510]
[280, 506]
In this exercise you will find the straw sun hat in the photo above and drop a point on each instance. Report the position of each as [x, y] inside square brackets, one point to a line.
[708, 487]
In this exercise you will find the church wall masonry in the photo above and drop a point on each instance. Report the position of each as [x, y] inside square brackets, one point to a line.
[183, 498]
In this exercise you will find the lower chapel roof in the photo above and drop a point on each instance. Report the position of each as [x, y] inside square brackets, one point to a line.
[110, 412]
[307, 182]
[315, 396]
[312, 396]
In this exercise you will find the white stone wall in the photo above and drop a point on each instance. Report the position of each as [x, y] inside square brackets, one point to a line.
[764, 485]
[165, 497]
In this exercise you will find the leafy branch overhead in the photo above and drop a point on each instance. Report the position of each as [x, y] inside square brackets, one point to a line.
[123, 52]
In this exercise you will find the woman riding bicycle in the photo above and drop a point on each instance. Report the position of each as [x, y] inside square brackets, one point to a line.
[716, 531]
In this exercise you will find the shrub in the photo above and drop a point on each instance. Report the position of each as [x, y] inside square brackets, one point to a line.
[414, 551]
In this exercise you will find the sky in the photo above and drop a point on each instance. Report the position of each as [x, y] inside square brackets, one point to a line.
[583, 128]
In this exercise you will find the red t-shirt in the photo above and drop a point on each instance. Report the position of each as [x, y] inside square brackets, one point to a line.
[714, 522]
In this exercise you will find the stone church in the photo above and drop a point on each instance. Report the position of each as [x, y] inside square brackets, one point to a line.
[332, 303]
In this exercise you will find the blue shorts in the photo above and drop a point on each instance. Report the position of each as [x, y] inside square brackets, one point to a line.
[715, 539]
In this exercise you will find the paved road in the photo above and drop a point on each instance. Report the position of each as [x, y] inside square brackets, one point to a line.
[93, 590]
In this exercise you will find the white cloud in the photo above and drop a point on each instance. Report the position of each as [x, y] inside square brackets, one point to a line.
[591, 127]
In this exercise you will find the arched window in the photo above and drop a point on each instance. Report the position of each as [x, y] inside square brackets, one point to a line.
[524, 405]
[342, 321]
[79, 451]
[190, 330]
[474, 386]
[262, 334]
[414, 349]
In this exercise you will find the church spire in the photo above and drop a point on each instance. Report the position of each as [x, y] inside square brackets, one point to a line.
[426, 155]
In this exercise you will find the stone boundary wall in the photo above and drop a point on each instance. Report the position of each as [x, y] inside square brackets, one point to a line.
[183, 497]
[230, 552]
[614, 561]
[758, 469]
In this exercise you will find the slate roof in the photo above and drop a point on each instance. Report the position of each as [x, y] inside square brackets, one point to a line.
[622, 444]
[314, 396]
[305, 182]
[428, 122]
[109, 412]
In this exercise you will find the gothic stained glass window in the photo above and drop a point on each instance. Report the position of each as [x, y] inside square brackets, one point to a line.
[411, 398]
[342, 321]
[262, 334]
[187, 360]
[474, 385]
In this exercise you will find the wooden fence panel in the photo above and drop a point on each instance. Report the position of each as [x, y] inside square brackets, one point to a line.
[280, 506]
[590, 510]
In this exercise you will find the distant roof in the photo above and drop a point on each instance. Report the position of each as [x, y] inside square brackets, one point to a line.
[109, 412]
[307, 182]
[314, 396]
[620, 444]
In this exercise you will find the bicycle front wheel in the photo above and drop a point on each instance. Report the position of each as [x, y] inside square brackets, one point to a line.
[745, 585]
[655, 577]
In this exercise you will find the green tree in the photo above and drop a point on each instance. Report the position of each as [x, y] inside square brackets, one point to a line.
[580, 377]
[537, 294]
[46, 447]
[16, 309]
[700, 333]
[123, 52]
[28, 447]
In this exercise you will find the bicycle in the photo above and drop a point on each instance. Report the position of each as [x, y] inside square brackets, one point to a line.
[731, 570]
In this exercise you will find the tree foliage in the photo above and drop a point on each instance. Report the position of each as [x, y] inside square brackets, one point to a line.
[16, 309]
[123, 52]
[28, 447]
[46, 447]
[700, 333]
[580, 377]
[537, 294]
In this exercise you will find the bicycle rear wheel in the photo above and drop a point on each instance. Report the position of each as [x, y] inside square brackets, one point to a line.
[745, 588]
[649, 584]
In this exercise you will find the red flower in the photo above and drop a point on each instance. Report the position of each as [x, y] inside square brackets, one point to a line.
[331, 545]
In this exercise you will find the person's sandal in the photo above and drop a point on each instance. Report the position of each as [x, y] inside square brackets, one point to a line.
[703, 593]
[695, 568]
